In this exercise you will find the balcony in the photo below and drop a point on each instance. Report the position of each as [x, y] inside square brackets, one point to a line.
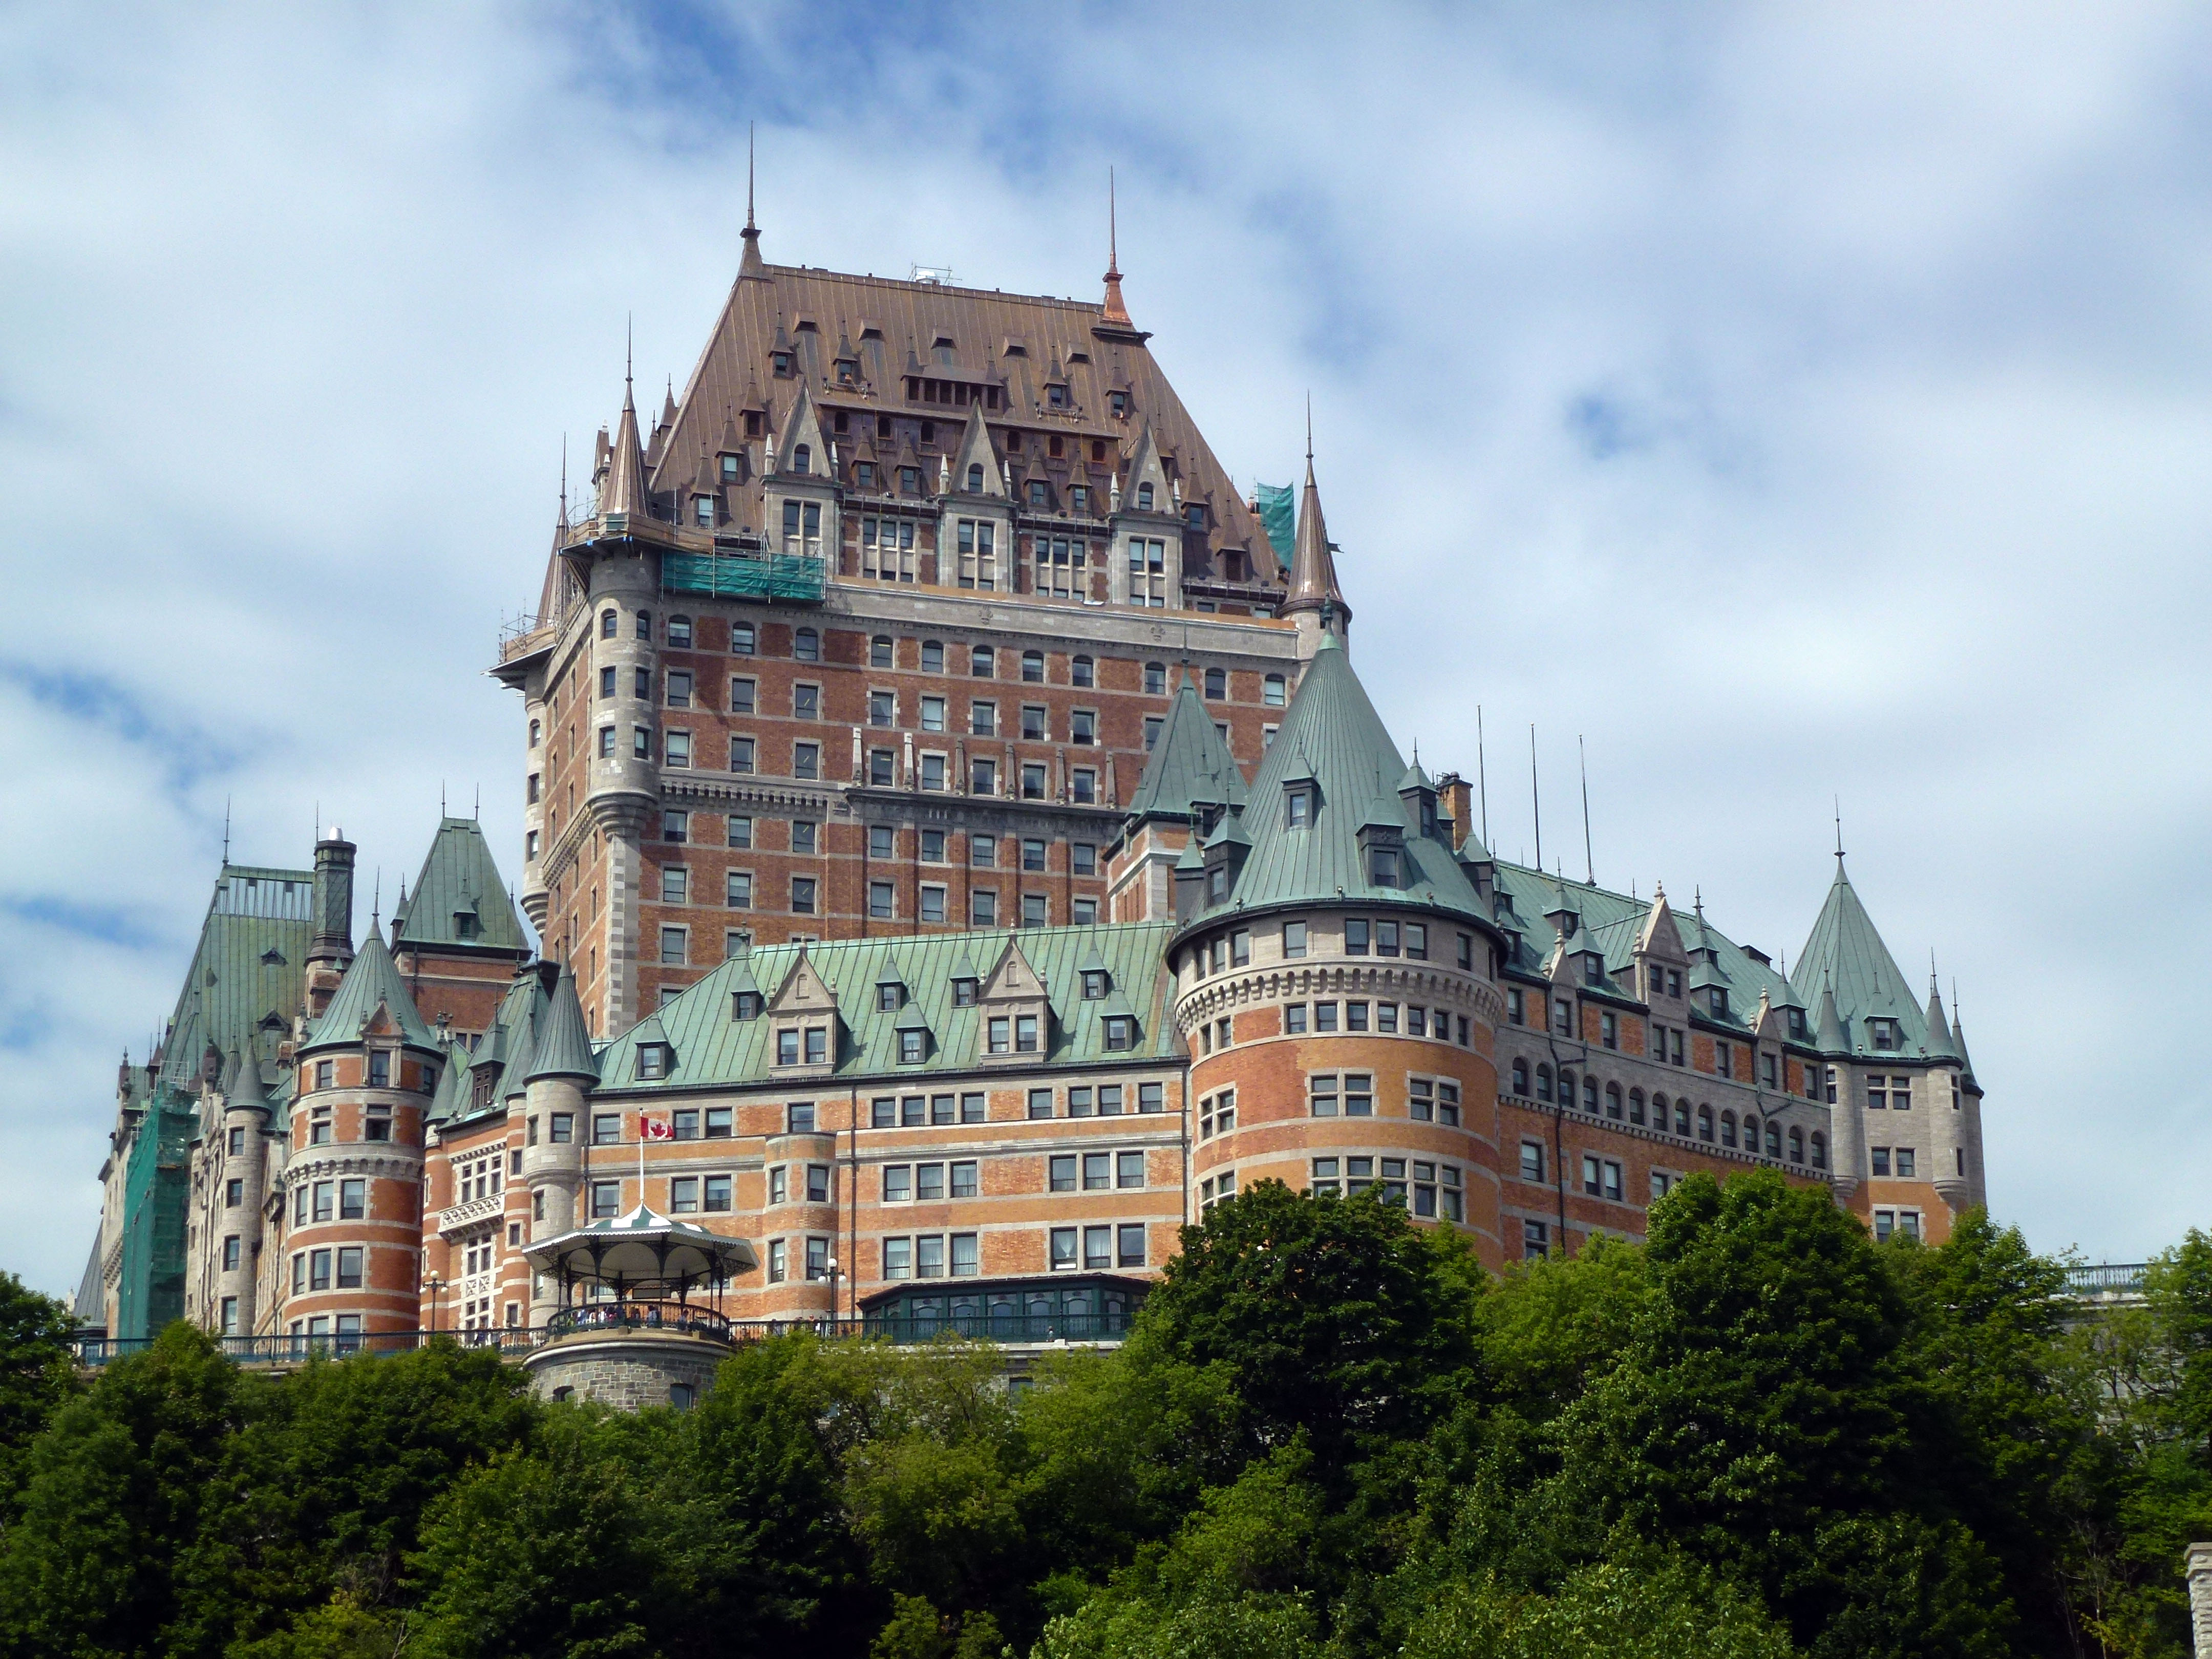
[791, 578]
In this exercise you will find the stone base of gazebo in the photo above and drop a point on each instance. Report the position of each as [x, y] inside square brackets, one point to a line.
[627, 1369]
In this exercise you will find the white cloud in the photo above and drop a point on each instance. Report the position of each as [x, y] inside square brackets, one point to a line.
[1886, 329]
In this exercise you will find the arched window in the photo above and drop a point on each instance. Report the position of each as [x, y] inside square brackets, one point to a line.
[1272, 691]
[806, 645]
[802, 458]
[1612, 1101]
[1589, 1096]
[1819, 1150]
[1774, 1141]
[980, 662]
[679, 632]
[1520, 1078]
[1659, 1113]
[1079, 672]
[1728, 1128]
[1682, 1119]
[1217, 684]
[607, 624]
[1033, 667]
[976, 479]
[1156, 679]
[1797, 1146]
[741, 639]
[1566, 1087]
[534, 729]
[1144, 498]
[1704, 1123]
[1636, 1105]
[645, 624]
[1543, 1083]
[879, 651]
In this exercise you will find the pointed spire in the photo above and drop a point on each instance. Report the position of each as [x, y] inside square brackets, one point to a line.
[1113, 310]
[1939, 1041]
[563, 1047]
[561, 524]
[750, 264]
[624, 489]
[668, 403]
[1828, 1031]
[1313, 566]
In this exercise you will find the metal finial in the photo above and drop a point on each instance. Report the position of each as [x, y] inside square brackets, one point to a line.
[629, 344]
[1113, 233]
[226, 829]
[1839, 828]
[1310, 431]
[749, 177]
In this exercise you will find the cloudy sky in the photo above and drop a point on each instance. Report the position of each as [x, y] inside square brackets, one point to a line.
[1793, 402]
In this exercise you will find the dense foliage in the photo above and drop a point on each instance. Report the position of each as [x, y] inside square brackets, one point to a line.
[1331, 1436]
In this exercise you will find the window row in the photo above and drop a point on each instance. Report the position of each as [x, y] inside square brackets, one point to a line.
[908, 1184]
[1094, 1172]
[327, 1201]
[814, 1257]
[322, 1270]
[1904, 1166]
[1352, 1094]
[1385, 1017]
[1094, 1248]
[1434, 1191]
[1100, 1100]
[1675, 1116]
[912, 1111]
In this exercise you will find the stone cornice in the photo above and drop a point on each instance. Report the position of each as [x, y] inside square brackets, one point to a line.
[1218, 994]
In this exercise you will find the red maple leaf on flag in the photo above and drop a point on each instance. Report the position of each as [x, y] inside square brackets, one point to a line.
[655, 1129]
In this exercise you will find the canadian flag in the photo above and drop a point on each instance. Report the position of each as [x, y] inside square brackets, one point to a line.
[655, 1129]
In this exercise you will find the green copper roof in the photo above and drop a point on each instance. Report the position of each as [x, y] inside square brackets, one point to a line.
[451, 1099]
[712, 1048]
[1845, 953]
[1189, 765]
[1332, 733]
[371, 982]
[248, 966]
[563, 1047]
[458, 898]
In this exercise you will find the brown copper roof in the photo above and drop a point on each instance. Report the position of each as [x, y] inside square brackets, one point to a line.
[1313, 568]
[903, 332]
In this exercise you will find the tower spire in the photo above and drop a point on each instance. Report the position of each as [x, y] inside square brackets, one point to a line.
[624, 489]
[750, 264]
[1115, 310]
[1313, 585]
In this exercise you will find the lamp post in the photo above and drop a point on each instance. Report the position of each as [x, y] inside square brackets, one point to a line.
[836, 1274]
[436, 1286]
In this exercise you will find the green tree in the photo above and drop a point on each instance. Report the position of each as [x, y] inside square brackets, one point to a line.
[112, 1492]
[37, 1372]
[1608, 1610]
[1331, 1316]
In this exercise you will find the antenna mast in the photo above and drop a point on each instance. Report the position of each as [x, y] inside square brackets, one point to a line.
[1589, 862]
[1482, 775]
[1535, 796]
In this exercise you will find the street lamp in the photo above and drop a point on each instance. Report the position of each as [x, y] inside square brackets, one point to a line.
[436, 1286]
[836, 1273]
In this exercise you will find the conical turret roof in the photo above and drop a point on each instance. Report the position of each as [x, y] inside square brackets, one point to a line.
[624, 489]
[563, 1047]
[1939, 1029]
[1332, 736]
[1313, 566]
[1844, 953]
[1189, 765]
[371, 982]
[1828, 1032]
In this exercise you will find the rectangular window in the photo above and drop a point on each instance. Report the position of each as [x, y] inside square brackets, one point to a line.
[717, 1194]
[803, 890]
[800, 1115]
[966, 1260]
[779, 1260]
[353, 1199]
[1356, 933]
[606, 1128]
[349, 1267]
[817, 1260]
[683, 1196]
[1294, 1019]
[1097, 1248]
[1129, 1245]
[880, 901]
[233, 1193]
[929, 1257]
[1322, 1100]
[932, 904]
[741, 754]
[323, 1192]
[1040, 1102]
[1062, 1249]
[1128, 1170]
[319, 1270]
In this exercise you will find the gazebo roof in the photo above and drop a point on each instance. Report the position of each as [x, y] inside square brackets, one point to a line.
[641, 1249]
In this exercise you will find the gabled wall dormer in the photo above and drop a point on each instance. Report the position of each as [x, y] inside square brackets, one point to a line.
[801, 494]
[1662, 963]
[1146, 564]
[1015, 1027]
[805, 1031]
[975, 517]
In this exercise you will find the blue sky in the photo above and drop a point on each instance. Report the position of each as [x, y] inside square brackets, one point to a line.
[1795, 403]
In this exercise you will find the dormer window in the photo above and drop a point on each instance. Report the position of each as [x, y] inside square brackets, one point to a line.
[702, 509]
[782, 360]
[1078, 500]
[909, 481]
[1592, 970]
[802, 458]
[890, 998]
[976, 479]
[729, 469]
[1120, 1033]
[1144, 498]
[864, 475]
[1056, 396]
[745, 1005]
[963, 993]
[1382, 865]
[1094, 985]
[653, 1059]
[1037, 493]
[1119, 403]
[1193, 516]
[1297, 808]
[911, 1047]
[1797, 1022]
[1719, 1000]
[1885, 1033]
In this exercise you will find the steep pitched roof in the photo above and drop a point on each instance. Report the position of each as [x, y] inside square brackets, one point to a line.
[623, 489]
[371, 982]
[885, 314]
[1846, 952]
[1332, 733]
[459, 883]
[714, 1049]
[1189, 765]
[248, 965]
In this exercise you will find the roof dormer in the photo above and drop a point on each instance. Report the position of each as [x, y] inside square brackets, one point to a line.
[805, 1026]
[1015, 1027]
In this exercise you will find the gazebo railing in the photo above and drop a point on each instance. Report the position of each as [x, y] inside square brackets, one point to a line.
[677, 1318]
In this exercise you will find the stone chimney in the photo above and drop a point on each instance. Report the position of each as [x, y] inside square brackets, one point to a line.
[331, 952]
